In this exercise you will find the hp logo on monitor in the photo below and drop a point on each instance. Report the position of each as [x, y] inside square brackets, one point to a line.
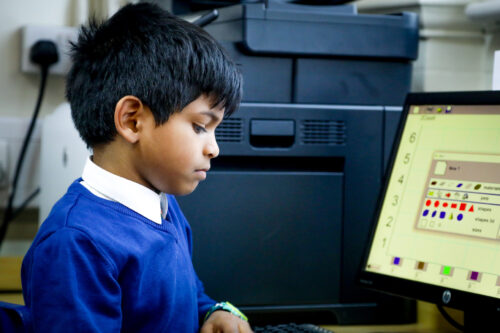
[446, 296]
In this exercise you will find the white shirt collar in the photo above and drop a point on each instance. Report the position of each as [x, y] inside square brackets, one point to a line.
[138, 198]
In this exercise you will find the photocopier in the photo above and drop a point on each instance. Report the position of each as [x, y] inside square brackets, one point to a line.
[281, 223]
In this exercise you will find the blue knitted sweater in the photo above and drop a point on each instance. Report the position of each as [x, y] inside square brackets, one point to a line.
[97, 266]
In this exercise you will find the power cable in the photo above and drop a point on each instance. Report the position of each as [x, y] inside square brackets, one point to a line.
[43, 53]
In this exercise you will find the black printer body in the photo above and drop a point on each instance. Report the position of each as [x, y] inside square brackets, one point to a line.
[281, 222]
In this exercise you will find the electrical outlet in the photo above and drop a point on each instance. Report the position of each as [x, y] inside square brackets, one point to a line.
[4, 164]
[60, 35]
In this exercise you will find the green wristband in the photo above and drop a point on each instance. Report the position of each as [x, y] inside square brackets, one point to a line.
[226, 306]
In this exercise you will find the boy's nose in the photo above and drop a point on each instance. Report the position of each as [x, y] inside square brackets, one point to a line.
[212, 148]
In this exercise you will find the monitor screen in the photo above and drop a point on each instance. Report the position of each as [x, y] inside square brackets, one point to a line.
[436, 235]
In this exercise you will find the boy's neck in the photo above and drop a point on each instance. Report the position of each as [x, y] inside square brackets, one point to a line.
[117, 157]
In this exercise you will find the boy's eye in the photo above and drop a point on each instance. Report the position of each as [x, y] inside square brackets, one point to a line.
[199, 129]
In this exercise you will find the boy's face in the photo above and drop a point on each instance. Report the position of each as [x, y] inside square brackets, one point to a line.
[175, 156]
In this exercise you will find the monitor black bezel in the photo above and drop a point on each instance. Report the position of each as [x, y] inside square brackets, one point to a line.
[412, 289]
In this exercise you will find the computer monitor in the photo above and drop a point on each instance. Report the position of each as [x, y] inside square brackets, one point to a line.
[436, 232]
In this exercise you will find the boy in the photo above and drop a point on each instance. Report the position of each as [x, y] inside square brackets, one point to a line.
[147, 91]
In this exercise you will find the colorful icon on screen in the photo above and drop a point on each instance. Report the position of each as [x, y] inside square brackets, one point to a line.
[447, 270]
[421, 266]
[474, 276]
[396, 261]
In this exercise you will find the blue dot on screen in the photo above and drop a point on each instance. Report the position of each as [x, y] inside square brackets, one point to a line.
[442, 215]
[460, 217]
[425, 212]
[433, 213]
[459, 185]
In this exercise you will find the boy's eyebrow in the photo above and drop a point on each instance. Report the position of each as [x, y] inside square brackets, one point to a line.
[213, 115]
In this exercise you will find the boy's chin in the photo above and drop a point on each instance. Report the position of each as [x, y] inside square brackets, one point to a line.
[184, 191]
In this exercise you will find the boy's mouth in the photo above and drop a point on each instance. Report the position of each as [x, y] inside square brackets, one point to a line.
[202, 173]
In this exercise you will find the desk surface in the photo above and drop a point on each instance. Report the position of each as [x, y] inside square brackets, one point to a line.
[10, 277]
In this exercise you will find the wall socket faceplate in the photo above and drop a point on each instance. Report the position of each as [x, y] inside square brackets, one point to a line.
[60, 35]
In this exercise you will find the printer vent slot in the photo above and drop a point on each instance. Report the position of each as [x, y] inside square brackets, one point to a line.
[323, 132]
[230, 130]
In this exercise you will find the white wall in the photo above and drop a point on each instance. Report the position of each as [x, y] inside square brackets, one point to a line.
[18, 91]
[455, 52]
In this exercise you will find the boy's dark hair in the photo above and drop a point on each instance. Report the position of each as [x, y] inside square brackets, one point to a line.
[146, 52]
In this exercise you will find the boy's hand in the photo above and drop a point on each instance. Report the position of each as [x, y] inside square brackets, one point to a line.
[225, 322]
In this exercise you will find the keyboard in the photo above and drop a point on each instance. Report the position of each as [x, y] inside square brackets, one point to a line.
[291, 328]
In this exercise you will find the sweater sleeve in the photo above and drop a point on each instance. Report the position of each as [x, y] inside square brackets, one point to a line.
[204, 301]
[70, 286]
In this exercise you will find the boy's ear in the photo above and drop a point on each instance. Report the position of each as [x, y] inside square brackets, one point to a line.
[129, 113]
